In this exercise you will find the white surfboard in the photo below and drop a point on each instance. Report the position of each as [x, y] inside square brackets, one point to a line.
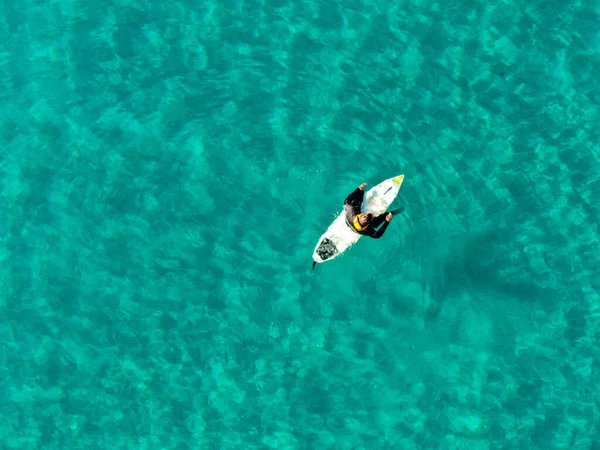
[339, 237]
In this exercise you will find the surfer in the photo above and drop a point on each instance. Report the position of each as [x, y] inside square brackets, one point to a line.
[366, 223]
[351, 223]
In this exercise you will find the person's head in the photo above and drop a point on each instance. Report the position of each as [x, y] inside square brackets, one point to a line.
[365, 219]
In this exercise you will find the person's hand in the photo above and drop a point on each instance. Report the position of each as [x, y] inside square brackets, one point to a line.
[389, 216]
[362, 186]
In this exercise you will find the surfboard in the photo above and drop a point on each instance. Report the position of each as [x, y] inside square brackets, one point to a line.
[339, 237]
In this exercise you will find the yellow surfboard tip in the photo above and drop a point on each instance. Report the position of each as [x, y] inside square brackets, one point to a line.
[399, 179]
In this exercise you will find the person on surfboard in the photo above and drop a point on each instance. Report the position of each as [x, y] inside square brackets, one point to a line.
[366, 223]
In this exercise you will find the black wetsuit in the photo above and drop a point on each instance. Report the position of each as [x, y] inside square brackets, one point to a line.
[352, 206]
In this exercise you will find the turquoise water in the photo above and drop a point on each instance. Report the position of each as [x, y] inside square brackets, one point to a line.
[166, 169]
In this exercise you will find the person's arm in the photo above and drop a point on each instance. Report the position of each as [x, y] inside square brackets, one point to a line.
[376, 234]
[356, 197]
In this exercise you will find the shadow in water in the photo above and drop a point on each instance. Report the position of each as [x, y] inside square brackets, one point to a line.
[495, 262]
